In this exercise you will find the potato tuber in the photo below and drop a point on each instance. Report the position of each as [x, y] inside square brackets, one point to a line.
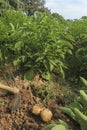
[37, 109]
[46, 115]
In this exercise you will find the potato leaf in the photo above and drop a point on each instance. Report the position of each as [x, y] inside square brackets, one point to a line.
[59, 127]
[29, 75]
[49, 127]
[84, 81]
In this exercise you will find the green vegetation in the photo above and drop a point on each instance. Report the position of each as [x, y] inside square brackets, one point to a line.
[77, 36]
[44, 43]
[27, 6]
[33, 43]
[38, 42]
[61, 126]
[77, 110]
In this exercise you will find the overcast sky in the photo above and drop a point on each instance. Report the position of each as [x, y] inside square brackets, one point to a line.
[69, 9]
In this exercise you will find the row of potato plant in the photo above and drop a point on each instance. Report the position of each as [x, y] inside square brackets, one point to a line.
[34, 43]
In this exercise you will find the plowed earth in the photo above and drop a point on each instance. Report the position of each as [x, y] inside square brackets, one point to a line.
[22, 118]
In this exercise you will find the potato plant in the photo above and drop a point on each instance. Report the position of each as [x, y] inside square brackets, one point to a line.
[61, 126]
[77, 35]
[33, 43]
[42, 43]
[77, 110]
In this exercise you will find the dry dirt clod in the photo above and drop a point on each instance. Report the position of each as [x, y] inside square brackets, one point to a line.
[46, 115]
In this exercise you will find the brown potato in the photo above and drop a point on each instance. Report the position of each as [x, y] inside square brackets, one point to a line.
[37, 109]
[46, 115]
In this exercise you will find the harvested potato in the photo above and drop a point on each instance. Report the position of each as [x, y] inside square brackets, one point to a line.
[46, 115]
[37, 109]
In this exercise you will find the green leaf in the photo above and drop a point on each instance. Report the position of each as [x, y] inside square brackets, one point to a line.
[84, 81]
[83, 96]
[64, 123]
[1, 55]
[39, 59]
[59, 127]
[29, 75]
[47, 64]
[51, 66]
[16, 62]
[62, 72]
[68, 111]
[18, 45]
[81, 118]
[46, 75]
[76, 104]
[23, 58]
[12, 26]
[49, 127]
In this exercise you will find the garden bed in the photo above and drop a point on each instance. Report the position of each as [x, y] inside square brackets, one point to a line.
[22, 118]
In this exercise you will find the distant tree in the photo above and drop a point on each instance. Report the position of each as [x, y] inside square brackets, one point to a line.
[31, 6]
[3, 4]
[15, 4]
[27, 6]
[58, 16]
[84, 18]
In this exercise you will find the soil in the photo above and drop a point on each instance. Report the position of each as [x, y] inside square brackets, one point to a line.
[22, 118]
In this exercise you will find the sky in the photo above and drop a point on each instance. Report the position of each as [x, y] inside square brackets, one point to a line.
[69, 9]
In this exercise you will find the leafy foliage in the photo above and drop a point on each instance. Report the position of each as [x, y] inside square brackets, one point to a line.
[77, 110]
[31, 6]
[77, 36]
[44, 43]
[33, 43]
[27, 6]
[61, 126]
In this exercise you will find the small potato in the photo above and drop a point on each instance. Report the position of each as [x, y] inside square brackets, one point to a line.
[46, 115]
[37, 109]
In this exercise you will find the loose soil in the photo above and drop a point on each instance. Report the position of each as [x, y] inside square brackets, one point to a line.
[22, 118]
